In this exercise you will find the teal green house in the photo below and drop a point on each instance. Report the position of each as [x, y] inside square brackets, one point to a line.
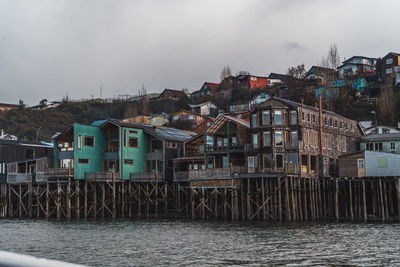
[114, 149]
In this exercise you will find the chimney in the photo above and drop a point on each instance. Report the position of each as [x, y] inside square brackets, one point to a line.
[398, 125]
[316, 105]
[302, 101]
[2, 133]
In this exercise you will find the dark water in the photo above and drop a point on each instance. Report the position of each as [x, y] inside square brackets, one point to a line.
[155, 243]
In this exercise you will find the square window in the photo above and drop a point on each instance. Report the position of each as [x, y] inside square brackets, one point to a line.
[88, 141]
[278, 138]
[133, 142]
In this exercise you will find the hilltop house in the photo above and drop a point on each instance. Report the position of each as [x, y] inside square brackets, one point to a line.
[206, 108]
[356, 65]
[321, 75]
[5, 107]
[170, 94]
[390, 65]
[208, 88]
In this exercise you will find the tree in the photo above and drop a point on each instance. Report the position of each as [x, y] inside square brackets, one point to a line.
[182, 102]
[298, 72]
[21, 105]
[42, 103]
[226, 72]
[242, 72]
[332, 59]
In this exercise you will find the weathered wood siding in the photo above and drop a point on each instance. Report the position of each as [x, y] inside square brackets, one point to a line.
[379, 164]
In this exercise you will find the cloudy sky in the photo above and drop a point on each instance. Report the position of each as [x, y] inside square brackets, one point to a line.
[51, 48]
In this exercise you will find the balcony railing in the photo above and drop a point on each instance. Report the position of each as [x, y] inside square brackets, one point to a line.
[25, 177]
[156, 155]
[65, 154]
[59, 173]
[181, 176]
[147, 177]
[110, 155]
[209, 173]
[102, 176]
[231, 147]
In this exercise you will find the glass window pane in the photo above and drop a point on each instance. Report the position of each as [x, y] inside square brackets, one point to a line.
[293, 117]
[267, 161]
[279, 138]
[254, 120]
[267, 139]
[266, 118]
[278, 116]
[255, 140]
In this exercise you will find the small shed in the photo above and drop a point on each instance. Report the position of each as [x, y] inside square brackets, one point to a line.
[369, 164]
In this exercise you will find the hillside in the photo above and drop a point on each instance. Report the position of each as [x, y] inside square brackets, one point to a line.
[26, 123]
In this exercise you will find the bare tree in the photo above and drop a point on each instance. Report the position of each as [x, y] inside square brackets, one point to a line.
[226, 72]
[298, 72]
[332, 59]
[142, 92]
[242, 72]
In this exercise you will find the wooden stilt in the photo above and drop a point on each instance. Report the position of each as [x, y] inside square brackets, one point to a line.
[85, 209]
[337, 199]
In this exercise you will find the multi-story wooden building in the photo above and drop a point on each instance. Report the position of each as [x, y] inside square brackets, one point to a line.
[287, 136]
[219, 152]
[114, 149]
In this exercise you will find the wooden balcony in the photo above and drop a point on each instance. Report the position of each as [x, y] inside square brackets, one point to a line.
[147, 177]
[58, 173]
[17, 178]
[224, 149]
[102, 176]
[216, 173]
[66, 154]
[181, 176]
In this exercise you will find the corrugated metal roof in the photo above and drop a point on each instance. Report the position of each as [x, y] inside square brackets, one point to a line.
[165, 133]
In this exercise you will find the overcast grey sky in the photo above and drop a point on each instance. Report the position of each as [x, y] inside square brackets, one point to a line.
[52, 48]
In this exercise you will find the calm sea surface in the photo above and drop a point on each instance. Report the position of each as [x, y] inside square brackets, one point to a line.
[168, 242]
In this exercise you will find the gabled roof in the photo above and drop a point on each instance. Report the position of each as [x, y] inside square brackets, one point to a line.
[202, 104]
[212, 86]
[23, 143]
[173, 92]
[222, 119]
[359, 57]
[183, 111]
[278, 76]
[296, 104]
[382, 137]
[319, 70]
